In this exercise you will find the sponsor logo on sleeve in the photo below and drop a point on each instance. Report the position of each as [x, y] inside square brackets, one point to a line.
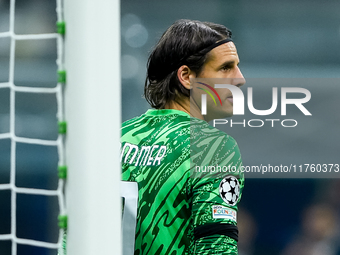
[221, 212]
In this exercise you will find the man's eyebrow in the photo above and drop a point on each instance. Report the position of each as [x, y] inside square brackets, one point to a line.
[227, 63]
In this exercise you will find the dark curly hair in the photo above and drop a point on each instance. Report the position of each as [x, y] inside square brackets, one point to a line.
[183, 43]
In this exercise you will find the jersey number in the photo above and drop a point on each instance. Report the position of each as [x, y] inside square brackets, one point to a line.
[129, 193]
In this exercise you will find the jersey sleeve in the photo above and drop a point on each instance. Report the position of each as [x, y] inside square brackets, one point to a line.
[217, 184]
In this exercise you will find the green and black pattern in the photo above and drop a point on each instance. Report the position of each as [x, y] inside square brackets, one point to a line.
[160, 151]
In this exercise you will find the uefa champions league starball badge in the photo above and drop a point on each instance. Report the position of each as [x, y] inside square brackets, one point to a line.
[230, 190]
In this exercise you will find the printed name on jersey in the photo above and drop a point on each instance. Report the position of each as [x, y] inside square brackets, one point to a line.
[144, 156]
[221, 212]
[230, 190]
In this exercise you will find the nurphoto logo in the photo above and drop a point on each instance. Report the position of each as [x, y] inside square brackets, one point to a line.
[230, 99]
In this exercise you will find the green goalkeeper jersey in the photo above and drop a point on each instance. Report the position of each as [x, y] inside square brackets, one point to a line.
[189, 184]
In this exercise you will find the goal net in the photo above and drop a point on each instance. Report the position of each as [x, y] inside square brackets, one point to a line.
[17, 140]
[60, 137]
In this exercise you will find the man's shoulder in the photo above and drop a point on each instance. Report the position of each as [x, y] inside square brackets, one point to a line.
[212, 147]
[158, 119]
[203, 131]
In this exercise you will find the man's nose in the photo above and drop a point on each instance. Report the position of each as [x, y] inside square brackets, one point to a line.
[238, 79]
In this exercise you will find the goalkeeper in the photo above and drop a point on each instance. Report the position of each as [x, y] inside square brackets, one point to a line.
[185, 206]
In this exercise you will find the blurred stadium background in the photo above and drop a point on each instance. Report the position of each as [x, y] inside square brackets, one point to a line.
[275, 40]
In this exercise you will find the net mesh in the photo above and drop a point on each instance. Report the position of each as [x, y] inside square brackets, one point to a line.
[15, 139]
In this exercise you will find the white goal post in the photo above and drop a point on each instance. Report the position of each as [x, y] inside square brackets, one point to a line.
[93, 115]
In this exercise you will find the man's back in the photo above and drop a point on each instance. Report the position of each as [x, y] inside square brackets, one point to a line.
[161, 169]
[179, 210]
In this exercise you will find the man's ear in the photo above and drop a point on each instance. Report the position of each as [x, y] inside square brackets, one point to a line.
[184, 75]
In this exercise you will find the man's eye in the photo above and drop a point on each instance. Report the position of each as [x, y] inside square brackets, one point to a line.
[226, 68]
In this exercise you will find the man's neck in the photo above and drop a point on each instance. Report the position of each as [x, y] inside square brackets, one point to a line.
[183, 104]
